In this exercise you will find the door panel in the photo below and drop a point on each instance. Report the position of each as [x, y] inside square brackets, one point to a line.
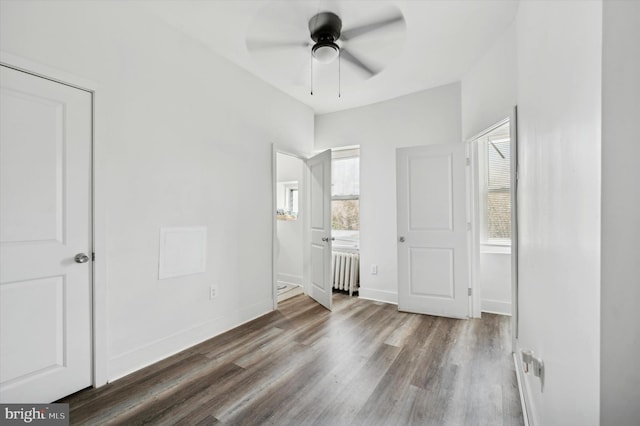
[431, 272]
[37, 163]
[317, 195]
[37, 307]
[432, 230]
[430, 206]
[320, 227]
[45, 220]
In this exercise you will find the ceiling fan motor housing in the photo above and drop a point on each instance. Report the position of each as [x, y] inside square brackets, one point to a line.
[325, 29]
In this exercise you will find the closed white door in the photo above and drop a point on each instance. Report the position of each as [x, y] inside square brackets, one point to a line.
[45, 221]
[433, 264]
[320, 227]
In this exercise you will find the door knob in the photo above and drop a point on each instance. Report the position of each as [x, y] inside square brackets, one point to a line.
[325, 238]
[81, 258]
[401, 239]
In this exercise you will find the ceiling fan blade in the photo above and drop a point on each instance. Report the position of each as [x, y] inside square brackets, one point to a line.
[348, 56]
[257, 44]
[374, 26]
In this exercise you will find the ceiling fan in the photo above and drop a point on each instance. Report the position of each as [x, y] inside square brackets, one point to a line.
[328, 41]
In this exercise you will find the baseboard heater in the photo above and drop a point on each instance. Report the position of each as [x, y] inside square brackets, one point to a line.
[346, 271]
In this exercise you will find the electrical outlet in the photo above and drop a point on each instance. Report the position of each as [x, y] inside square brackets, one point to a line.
[374, 269]
[213, 292]
[532, 362]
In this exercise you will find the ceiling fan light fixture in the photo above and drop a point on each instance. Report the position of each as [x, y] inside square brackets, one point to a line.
[325, 52]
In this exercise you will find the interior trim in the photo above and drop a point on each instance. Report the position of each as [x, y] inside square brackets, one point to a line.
[98, 170]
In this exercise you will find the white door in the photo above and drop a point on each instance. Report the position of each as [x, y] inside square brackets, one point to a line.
[319, 191]
[45, 221]
[432, 230]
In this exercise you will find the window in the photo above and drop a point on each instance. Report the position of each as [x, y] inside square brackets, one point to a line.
[498, 190]
[494, 167]
[287, 201]
[292, 199]
[345, 196]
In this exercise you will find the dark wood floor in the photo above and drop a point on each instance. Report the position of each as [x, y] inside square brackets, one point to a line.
[365, 363]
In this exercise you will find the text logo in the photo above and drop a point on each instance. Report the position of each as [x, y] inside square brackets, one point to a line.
[36, 414]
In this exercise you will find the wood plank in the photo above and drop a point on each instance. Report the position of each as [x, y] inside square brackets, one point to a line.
[364, 363]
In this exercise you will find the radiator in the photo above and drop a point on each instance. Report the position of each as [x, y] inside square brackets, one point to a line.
[345, 271]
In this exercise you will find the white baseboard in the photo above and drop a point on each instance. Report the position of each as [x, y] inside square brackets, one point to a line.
[521, 391]
[528, 410]
[495, 307]
[289, 279]
[378, 295]
[152, 352]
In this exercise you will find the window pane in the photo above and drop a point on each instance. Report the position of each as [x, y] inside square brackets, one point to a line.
[499, 204]
[293, 201]
[498, 194]
[345, 215]
[345, 176]
[499, 157]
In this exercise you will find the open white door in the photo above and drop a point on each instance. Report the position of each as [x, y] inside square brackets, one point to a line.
[433, 265]
[45, 238]
[319, 190]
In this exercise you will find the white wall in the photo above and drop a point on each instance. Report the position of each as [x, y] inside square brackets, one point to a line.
[488, 96]
[489, 87]
[424, 118]
[290, 232]
[185, 137]
[620, 340]
[559, 46]
[494, 280]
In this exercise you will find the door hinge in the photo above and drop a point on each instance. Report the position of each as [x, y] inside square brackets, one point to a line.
[468, 161]
[470, 291]
[93, 257]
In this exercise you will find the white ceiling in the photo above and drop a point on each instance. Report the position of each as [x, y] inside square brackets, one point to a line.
[441, 41]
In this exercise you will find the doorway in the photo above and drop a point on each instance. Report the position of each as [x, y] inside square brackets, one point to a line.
[309, 218]
[290, 215]
[492, 217]
[345, 220]
[46, 242]
[314, 214]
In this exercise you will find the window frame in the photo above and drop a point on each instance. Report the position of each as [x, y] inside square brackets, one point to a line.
[339, 155]
[488, 245]
[289, 190]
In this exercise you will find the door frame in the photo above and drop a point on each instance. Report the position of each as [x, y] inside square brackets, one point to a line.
[98, 206]
[472, 155]
[515, 247]
[304, 202]
[472, 158]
